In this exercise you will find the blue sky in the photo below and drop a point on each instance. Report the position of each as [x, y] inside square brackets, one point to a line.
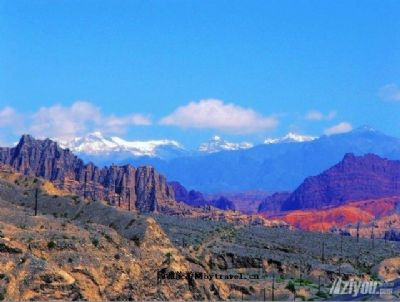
[241, 69]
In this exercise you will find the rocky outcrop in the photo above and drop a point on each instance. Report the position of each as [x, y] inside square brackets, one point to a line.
[141, 189]
[222, 203]
[192, 197]
[273, 203]
[197, 199]
[354, 178]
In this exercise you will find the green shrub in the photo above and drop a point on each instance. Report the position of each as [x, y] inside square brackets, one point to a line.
[51, 244]
[95, 242]
[291, 287]
[322, 294]
[108, 237]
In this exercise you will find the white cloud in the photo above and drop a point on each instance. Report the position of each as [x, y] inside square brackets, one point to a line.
[10, 118]
[215, 114]
[118, 125]
[339, 128]
[65, 123]
[133, 119]
[11, 122]
[315, 115]
[390, 92]
[7, 116]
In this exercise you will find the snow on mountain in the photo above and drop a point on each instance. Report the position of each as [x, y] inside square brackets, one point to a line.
[290, 138]
[96, 144]
[217, 144]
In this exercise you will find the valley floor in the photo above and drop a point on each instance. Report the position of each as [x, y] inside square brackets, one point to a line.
[79, 250]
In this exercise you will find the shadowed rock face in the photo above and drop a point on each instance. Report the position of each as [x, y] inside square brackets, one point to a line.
[192, 197]
[140, 188]
[354, 178]
[197, 199]
[273, 203]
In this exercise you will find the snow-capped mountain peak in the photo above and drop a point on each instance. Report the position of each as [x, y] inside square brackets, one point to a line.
[96, 144]
[291, 137]
[217, 144]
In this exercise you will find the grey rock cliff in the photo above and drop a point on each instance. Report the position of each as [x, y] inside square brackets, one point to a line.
[142, 189]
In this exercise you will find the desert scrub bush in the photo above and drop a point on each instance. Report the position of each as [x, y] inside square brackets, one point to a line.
[168, 257]
[95, 242]
[136, 240]
[291, 287]
[280, 279]
[322, 294]
[75, 198]
[51, 244]
[108, 238]
[375, 277]
[303, 282]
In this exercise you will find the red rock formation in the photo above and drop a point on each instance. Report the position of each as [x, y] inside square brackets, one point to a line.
[354, 178]
[363, 211]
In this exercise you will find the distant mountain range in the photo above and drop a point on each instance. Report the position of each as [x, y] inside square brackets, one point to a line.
[272, 167]
[103, 150]
[217, 144]
[280, 164]
[97, 145]
[290, 138]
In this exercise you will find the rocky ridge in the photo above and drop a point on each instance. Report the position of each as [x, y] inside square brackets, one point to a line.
[142, 189]
[197, 199]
